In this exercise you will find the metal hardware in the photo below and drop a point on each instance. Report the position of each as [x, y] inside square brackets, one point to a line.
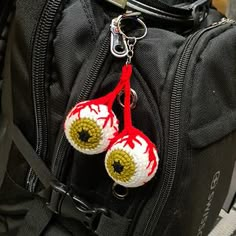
[121, 44]
[134, 98]
[118, 45]
[119, 191]
[67, 204]
[131, 40]
[118, 3]
[130, 54]
[134, 16]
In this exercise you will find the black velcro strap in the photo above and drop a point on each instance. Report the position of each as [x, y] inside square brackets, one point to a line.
[31, 157]
[112, 225]
[36, 219]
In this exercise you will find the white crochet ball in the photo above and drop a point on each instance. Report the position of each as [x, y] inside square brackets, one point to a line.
[131, 167]
[90, 128]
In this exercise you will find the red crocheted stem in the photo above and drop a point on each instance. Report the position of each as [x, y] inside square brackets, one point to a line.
[124, 79]
[110, 97]
[127, 108]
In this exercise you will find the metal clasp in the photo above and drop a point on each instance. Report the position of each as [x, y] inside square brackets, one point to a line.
[121, 44]
[67, 204]
[118, 45]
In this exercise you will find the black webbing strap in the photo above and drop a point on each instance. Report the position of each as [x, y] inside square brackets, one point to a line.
[36, 219]
[112, 225]
[5, 146]
[5, 120]
[31, 157]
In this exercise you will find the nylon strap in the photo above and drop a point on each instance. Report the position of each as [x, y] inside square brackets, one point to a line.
[31, 157]
[5, 119]
[5, 146]
[36, 219]
[112, 225]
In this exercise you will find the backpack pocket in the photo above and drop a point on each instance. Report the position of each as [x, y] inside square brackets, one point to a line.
[211, 131]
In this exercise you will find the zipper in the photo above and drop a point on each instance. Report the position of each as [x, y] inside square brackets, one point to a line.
[174, 128]
[84, 95]
[40, 52]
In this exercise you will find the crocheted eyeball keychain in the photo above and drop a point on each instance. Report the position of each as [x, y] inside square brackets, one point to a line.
[132, 159]
[91, 125]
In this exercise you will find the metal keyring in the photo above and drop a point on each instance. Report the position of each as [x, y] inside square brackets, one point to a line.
[127, 37]
[134, 98]
[118, 195]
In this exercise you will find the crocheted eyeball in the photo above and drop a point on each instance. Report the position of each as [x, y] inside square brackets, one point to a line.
[132, 161]
[90, 127]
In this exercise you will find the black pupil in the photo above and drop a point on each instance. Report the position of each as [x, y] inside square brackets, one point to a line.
[84, 136]
[118, 168]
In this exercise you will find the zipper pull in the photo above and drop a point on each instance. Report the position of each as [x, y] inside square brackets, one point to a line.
[121, 44]
[118, 44]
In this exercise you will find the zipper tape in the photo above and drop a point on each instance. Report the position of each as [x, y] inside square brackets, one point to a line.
[39, 57]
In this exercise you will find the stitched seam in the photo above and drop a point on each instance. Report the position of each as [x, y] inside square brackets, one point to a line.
[167, 74]
[87, 9]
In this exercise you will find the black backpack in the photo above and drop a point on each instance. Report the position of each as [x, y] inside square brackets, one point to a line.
[55, 54]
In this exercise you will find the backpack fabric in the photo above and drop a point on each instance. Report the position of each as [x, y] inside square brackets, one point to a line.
[57, 54]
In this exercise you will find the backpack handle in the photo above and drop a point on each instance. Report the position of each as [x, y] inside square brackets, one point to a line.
[187, 12]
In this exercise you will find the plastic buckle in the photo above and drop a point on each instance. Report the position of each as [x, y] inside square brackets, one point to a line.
[200, 10]
[58, 193]
[63, 202]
